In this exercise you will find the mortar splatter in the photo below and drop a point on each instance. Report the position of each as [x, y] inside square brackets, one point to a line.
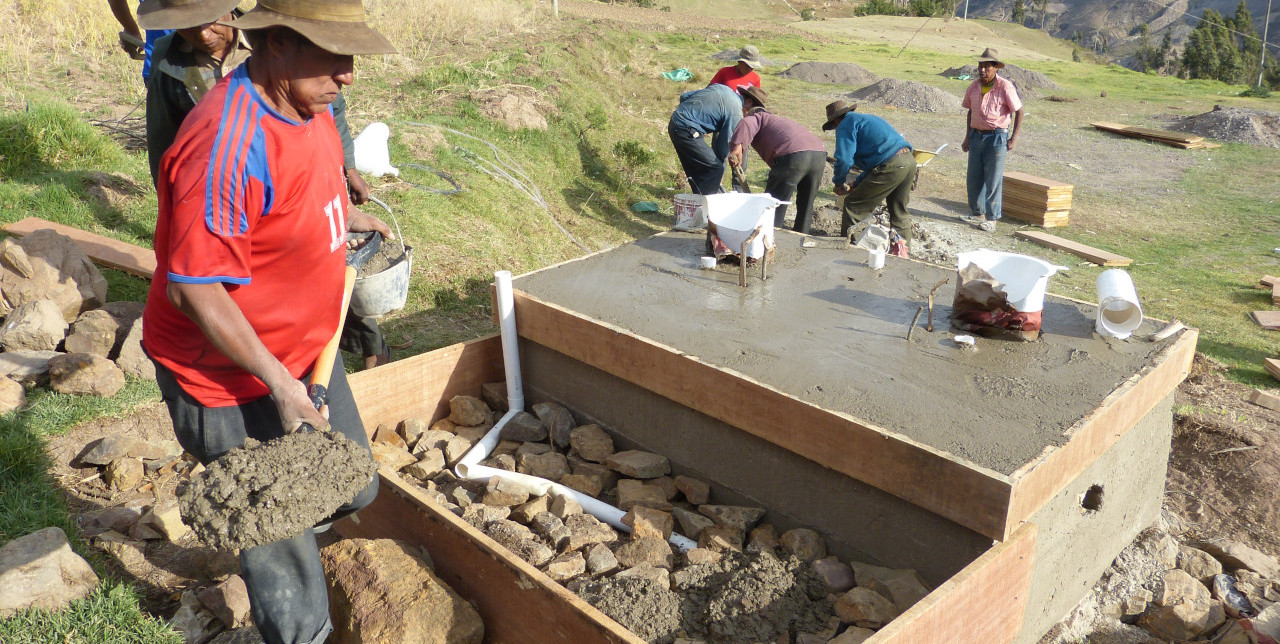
[264, 492]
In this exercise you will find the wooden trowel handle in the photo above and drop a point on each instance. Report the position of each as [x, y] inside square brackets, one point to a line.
[318, 389]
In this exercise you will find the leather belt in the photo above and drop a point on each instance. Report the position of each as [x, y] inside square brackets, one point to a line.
[999, 129]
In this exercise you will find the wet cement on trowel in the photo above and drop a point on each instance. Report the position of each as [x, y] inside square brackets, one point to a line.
[744, 597]
[264, 492]
[827, 329]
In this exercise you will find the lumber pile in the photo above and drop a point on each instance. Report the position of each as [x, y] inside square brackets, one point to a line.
[1043, 202]
[1095, 255]
[1269, 320]
[1175, 139]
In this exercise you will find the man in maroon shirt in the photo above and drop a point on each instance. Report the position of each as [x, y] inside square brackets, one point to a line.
[795, 156]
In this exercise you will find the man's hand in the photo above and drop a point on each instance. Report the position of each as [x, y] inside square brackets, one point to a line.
[964, 144]
[841, 189]
[296, 408]
[356, 186]
[359, 221]
[1012, 142]
[133, 44]
[735, 157]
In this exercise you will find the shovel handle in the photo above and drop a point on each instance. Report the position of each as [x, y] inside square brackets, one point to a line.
[323, 369]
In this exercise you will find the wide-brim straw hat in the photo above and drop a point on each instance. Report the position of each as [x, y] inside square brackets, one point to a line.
[336, 26]
[749, 55]
[990, 55]
[182, 14]
[835, 111]
[757, 94]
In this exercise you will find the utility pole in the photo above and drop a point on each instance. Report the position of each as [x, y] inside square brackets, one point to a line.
[1266, 22]
[555, 8]
[966, 10]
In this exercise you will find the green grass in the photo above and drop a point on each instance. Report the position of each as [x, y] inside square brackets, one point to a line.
[110, 615]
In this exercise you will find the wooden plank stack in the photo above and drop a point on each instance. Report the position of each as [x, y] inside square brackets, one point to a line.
[1043, 202]
[1095, 255]
[1175, 139]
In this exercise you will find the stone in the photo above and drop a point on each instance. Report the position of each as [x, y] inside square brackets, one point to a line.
[505, 462]
[115, 518]
[551, 528]
[1199, 564]
[129, 552]
[395, 458]
[639, 465]
[564, 506]
[740, 518]
[837, 576]
[600, 559]
[1183, 610]
[165, 519]
[632, 493]
[1268, 622]
[525, 512]
[39, 570]
[461, 497]
[654, 551]
[481, 515]
[107, 449]
[694, 491]
[1135, 604]
[469, 411]
[533, 551]
[94, 332]
[505, 447]
[144, 532]
[591, 443]
[125, 312]
[30, 368]
[866, 608]
[229, 601]
[131, 359]
[566, 566]
[558, 421]
[550, 466]
[805, 544]
[853, 635]
[905, 586]
[584, 483]
[647, 571]
[412, 429]
[720, 539]
[494, 394]
[12, 395]
[431, 463]
[702, 556]
[530, 449]
[668, 486]
[192, 621]
[456, 448]
[508, 533]
[1235, 556]
[524, 427]
[85, 374]
[380, 592]
[124, 473]
[647, 522]
[762, 537]
[586, 530]
[444, 425]
[431, 439]
[691, 523]
[387, 434]
[607, 477]
[34, 326]
[48, 266]
[504, 492]
[474, 434]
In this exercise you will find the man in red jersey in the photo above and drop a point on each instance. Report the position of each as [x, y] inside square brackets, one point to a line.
[743, 71]
[250, 246]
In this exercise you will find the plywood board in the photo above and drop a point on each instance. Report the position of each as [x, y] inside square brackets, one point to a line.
[1269, 320]
[1275, 294]
[1038, 182]
[1038, 481]
[1039, 217]
[1175, 139]
[1268, 282]
[1273, 367]
[974, 497]
[112, 253]
[421, 386]
[1264, 399]
[518, 603]
[1095, 255]
[982, 604]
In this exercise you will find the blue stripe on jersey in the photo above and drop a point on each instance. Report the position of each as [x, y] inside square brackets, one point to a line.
[212, 279]
[239, 153]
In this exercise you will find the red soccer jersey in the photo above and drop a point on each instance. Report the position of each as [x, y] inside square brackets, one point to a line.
[257, 202]
[734, 79]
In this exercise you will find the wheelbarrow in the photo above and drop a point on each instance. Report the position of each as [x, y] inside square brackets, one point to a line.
[741, 224]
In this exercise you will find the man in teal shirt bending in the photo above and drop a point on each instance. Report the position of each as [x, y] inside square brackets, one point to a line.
[868, 143]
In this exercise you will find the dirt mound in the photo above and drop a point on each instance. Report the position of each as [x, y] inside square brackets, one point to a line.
[908, 95]
[1236, 125]
[1026, 81]
[832, 73]
[730, 55]
[264, 492]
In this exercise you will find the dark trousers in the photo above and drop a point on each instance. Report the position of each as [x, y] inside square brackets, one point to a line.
[889, 182]
[362, 336]
[799, 174]
[704, 170]
[288, 596]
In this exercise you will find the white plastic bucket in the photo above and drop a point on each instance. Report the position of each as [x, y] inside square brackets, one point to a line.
[1119, 313]
[1024, 278]
[383, 292]
[690, 212]
[737, 214]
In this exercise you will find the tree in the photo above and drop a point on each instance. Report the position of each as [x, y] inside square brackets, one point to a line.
[1250, 44]
[1019, 12]
[1212, 52]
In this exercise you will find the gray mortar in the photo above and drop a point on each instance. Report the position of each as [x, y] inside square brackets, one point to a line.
[744, 597]
[264, 492]
[830, 331]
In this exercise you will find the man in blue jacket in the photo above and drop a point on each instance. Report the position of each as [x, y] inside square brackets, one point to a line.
[868, 143]
[716, 111]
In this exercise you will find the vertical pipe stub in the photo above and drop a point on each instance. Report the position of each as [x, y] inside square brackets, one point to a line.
[510, 342]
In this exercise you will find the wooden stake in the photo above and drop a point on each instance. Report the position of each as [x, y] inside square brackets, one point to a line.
[933, 290]
[914, 320]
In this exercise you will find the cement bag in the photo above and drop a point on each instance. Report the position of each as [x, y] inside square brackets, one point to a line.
[372, 156]
[1000, 294]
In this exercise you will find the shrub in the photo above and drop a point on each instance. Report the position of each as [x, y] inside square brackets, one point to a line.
[808, 14]
[880, 8]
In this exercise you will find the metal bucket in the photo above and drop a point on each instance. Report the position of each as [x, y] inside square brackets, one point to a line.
[387, 290]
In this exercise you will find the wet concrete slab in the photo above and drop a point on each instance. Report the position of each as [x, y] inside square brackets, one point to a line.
[830, 331]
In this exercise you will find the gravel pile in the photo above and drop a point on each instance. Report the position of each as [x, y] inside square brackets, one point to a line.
[1026, 81]
[831, 73]
[908, 95]
[730, 55]
[1236, 125]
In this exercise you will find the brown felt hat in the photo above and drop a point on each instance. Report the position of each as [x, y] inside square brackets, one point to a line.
[990, 55]
[336, 26]
[835, 111]
[182, 14]
[757, 94]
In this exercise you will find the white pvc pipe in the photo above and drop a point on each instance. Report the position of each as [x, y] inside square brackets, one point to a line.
[1119, 313]
[469, 468]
